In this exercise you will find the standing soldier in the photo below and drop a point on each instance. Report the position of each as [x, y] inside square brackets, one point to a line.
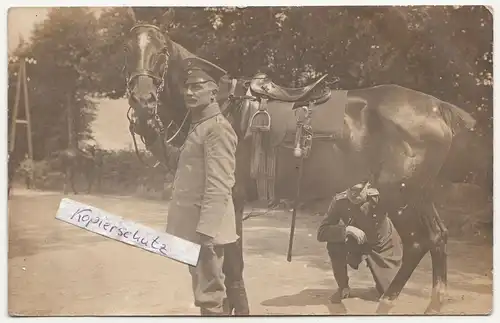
[202, 208]
[354, 230]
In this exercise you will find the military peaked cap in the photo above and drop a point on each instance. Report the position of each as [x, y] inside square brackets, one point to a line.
[198, 70]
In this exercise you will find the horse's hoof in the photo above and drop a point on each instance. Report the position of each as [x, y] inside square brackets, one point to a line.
[433, 309]
[384, 306]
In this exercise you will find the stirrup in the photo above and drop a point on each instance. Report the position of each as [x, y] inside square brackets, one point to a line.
[262, 111]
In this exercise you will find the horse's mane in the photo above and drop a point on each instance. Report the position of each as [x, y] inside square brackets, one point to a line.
[174, 72]
[173, 106]
[173, 87]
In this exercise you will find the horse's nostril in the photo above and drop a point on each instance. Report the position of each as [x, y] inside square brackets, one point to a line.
[151, 99]
[134, 99]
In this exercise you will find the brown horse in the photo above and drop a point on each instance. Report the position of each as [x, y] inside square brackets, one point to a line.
[394, 136]
[72, 161]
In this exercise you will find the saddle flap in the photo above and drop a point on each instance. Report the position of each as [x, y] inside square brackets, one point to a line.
[263, 85]
[327, 119]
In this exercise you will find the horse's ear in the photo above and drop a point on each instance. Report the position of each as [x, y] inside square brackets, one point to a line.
[166, 20]
[131, 14]
[168, 16]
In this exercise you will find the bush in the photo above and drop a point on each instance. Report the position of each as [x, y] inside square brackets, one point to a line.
[121, 172]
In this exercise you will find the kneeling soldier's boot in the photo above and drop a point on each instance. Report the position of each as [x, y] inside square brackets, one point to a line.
[338, 259]
[340, 274]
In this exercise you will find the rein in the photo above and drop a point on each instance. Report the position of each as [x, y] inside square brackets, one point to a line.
[153, 120]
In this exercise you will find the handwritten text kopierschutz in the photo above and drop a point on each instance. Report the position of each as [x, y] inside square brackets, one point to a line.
[129, 232]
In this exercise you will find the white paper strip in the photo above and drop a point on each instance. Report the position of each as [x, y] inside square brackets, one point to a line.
[111, 226]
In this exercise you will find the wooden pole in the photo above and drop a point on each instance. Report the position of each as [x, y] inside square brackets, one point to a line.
[27, 111]
[22, 77]
[71, 141]
[15, 111]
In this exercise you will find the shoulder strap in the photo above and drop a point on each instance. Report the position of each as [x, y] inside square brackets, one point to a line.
[341, 196]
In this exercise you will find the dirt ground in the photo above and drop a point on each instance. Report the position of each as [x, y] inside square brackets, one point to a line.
[58, 269]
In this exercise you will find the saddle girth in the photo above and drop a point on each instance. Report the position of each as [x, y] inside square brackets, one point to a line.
[264, 154]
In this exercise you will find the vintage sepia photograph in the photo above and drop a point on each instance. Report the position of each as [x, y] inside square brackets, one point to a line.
[250, 161]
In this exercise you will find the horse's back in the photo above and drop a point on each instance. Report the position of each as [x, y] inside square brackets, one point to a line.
[414, 111]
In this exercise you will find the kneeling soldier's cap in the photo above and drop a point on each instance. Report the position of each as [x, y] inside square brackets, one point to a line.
[198, 70]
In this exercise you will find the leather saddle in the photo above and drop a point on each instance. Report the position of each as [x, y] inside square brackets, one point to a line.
[262, 85]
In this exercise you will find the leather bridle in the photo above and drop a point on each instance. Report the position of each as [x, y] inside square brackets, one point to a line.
[152, 120]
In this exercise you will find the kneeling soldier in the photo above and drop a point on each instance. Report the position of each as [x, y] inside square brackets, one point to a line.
[353, 231]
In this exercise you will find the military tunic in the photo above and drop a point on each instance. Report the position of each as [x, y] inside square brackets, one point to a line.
[202, 189]
[383, 249]
[202, 204]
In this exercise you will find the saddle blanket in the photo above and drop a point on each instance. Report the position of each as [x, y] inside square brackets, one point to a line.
[326, 118]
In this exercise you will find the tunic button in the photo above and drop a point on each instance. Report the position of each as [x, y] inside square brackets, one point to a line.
[374, 215]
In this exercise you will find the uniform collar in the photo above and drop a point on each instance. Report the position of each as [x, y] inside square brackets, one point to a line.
[208, 112]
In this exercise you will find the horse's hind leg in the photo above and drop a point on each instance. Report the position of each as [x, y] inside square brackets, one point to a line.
[72, 180]
[430, 235]
[439, 240]
[90, 178]
[66, 179]
[413, 252]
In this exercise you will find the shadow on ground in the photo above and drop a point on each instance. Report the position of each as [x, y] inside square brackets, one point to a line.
[268, 236]
[311, 297]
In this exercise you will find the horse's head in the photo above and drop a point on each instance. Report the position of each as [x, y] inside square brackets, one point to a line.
[154, 69]
[146, 65]
[154, 93]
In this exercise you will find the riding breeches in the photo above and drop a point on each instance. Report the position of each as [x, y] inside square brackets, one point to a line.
[383, 260]
[342, 254]
[208, 281]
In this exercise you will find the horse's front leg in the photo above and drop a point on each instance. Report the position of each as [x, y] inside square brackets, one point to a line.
[234, 264]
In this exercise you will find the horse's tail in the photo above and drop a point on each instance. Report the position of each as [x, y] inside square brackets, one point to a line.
[456, 118]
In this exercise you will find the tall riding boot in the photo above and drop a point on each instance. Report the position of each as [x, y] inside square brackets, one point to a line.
[237, 296]
[220, 311]
[235, 287]
[342, 278]
[338, 259]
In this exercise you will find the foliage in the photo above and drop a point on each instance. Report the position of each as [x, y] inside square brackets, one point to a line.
[62, 77]
[445, 51]
[121, 173]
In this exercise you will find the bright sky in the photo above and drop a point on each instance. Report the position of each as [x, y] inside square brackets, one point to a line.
[21, 22]
[111, 126]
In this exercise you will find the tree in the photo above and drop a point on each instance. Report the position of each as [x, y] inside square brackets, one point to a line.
[63, 77]
[441, 50]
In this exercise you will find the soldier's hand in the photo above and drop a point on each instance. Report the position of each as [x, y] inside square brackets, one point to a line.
[205, 240]
[356, 233]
